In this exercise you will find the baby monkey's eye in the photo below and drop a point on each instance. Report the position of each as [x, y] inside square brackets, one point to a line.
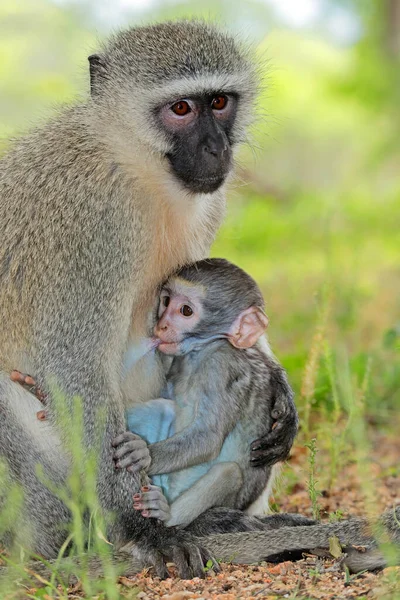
[165, 301]
[186, 311]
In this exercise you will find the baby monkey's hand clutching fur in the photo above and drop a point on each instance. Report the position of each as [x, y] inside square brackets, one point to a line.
[275, 445]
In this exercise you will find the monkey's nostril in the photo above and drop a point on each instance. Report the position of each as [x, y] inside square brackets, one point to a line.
[210, 149]
[216, 149]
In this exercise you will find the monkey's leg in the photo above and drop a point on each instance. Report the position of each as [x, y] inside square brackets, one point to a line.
[230, 520]
[25, 443]
[217, 487]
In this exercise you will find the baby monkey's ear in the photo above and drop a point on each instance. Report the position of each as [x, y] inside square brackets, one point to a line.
[248, 327]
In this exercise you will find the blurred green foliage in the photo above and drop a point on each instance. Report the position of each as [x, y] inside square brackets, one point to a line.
[314, 214]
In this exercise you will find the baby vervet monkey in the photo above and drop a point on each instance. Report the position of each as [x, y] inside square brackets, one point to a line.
[224, 390]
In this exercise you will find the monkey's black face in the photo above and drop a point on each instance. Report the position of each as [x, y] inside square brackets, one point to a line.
[200, 129]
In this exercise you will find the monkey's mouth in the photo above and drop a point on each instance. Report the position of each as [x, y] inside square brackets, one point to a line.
[168, 347]
[206, 185]
[154, 342]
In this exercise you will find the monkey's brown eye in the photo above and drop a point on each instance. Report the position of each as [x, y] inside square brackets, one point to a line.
[186, 311]
[181, 108]
[219, 102]
[165, 301]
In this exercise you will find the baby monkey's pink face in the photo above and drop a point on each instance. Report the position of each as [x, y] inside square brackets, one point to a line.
[179, 312]
[181, 309]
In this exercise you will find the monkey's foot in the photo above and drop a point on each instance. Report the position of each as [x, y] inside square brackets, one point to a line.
[177, 546]
[29, 384]
[132, 452]
[151, 502]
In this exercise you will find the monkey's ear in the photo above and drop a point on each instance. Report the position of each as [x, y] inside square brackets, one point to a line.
[248, 327]
[98, 72]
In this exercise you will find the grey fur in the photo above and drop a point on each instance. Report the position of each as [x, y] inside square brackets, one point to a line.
[86, 204]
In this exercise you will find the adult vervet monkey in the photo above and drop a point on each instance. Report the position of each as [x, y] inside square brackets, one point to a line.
[96, 207]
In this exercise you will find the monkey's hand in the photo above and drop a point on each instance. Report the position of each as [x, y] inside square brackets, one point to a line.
[132, 452]
[275, 446]
[29, 384]
[152, 503]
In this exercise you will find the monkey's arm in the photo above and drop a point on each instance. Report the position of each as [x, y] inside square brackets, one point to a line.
[216, 414]
[276, 444]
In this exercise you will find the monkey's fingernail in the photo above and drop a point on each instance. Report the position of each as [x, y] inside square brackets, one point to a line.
[137, 505]
[137, 497]
[29, 380]
[255, 448]
[145, 513]
[145, 488]
[41, 415]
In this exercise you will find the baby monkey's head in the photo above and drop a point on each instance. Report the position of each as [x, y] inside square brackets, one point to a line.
[207, 300]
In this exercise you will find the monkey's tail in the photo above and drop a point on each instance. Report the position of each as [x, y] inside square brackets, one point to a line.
[355, 536]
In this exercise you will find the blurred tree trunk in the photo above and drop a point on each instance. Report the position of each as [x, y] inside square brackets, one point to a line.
[393, 27]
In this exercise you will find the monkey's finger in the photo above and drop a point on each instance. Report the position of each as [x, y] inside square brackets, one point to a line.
[268, 459]
[278, 413]
[277, 440]
[153, 513]
[159, 566]
[17, 377]
[139, 459]
[264, 443]
[126, 436]
[197, 561]
[159, 514]
[207, 557]
[153, 502]
[179, 558]
[146, 504]
[153, 493]
[130, 448]
[142, 464]
[41, 415]
[23, 379]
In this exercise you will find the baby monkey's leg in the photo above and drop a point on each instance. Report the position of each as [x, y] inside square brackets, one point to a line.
[218, 487]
